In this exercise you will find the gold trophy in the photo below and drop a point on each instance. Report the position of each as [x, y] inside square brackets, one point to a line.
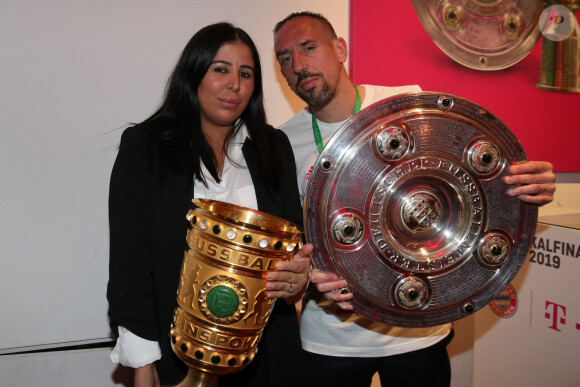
[560, 66]
[222, 304]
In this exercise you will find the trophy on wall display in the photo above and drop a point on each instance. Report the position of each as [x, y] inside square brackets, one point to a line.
[496, 34]
[407, 203]
[560, 66]
[222, 303]
[482, 34]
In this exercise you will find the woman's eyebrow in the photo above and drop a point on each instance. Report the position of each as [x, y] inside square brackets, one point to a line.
[225, 62]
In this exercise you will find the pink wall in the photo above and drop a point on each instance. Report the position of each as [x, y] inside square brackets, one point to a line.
[389, 46]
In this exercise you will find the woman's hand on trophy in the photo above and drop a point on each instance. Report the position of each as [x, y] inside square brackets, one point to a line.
[292, 277]
[334, 288]
[535, 182]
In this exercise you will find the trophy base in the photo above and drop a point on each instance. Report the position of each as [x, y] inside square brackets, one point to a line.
[564, 89]
[197, 378]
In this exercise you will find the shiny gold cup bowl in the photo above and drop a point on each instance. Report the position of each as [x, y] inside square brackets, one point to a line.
[222, 304]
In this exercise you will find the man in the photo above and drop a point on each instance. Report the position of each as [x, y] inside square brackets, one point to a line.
[345, 349]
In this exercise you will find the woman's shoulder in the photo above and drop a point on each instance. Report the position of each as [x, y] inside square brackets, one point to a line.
[137, 142]
[138, 136]
[274, 134]
[136, 133]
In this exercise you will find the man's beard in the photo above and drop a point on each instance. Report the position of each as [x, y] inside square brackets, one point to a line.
[315, 100]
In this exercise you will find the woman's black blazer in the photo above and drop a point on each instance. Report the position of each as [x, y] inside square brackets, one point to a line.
[147, 207]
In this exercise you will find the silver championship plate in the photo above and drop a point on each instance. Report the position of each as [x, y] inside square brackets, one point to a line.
[482, 34]
[407, 204]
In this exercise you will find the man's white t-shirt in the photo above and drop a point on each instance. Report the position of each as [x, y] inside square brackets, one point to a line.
[325, 328]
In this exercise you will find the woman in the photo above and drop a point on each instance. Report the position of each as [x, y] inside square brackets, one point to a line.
[209, 139]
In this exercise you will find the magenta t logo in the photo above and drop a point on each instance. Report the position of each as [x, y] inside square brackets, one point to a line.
[552, 313]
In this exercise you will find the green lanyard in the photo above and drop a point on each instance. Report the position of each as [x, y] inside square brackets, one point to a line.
[316, 129]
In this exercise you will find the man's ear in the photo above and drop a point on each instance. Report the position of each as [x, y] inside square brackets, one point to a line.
[341, 49]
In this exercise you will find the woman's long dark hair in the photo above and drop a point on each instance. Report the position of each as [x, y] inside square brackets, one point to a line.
[177, 123]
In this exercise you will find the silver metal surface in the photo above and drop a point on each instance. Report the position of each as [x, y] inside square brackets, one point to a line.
[482, 34]
[407, 204]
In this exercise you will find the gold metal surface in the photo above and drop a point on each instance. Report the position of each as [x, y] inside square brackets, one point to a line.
[512, 25]
[560, 66]
[452, 16]
[222, 299]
